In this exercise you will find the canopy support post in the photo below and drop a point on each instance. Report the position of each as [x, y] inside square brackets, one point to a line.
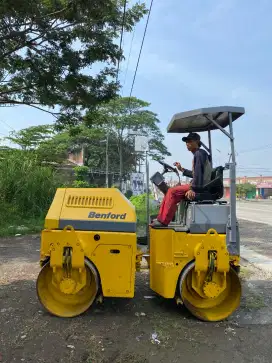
[210, 147]
[219, 127]
[234, 243]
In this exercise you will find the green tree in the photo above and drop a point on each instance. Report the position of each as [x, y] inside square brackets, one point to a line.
[244, 189]
[31, 137]
[47, 48]
[93, 140]
[43, 140]
[54, 147]
[122, 115]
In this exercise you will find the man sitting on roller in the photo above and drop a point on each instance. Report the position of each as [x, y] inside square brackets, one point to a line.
[200, 174]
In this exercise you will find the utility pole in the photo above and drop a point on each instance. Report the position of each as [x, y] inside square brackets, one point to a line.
[107, 159]
[121, 164]
[147, 197]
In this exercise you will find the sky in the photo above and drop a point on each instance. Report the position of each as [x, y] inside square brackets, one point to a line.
[199, 53]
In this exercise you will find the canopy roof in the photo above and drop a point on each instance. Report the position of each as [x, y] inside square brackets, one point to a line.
[196, 120]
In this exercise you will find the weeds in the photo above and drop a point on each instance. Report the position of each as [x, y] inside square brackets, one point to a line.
[26, 185]
[27, 189]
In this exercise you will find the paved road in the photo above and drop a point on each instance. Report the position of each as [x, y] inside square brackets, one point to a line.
[256, 233]
[260, 212]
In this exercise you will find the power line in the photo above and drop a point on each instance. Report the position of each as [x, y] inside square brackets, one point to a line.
[121, 39]
[131, 43]
[260, 148]
[117, 75]
[5, 123]
[253, 168]
[139, 57]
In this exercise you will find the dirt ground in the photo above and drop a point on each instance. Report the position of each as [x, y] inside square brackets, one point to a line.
[121, 330]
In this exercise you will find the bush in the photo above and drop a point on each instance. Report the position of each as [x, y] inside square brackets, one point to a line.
[80, 184]
[27, 190]
[139, 201]
[81, 172]
[12, 221]
[26, 185]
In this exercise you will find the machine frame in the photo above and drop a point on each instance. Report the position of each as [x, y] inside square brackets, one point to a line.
[207, 120]
[89, 244]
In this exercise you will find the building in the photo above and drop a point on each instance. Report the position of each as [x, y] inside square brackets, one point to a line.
[263, 185]
[264, 190]
[77, 157]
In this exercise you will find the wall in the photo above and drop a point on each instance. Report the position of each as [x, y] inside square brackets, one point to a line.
[77, 157]
[251, 179]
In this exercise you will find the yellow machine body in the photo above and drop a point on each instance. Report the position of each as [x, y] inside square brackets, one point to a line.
[113, 255]
[89, 250]
[209, 295]
[89, 236]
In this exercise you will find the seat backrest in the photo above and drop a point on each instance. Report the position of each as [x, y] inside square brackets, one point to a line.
[215, 188]
[217, 173]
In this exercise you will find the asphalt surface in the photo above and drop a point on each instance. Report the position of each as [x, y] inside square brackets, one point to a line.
[259, 211]
[256, 233]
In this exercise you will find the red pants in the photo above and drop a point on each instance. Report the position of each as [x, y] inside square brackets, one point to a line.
[169, 204]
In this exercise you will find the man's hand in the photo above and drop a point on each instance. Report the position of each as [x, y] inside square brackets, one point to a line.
[190, 195]
[178, 166]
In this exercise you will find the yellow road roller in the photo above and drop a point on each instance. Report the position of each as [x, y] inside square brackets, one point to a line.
[89, 242]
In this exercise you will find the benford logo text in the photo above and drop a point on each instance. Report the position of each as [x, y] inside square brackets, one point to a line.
[107, 215]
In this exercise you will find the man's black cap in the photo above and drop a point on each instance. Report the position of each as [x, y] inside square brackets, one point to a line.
[193, 136]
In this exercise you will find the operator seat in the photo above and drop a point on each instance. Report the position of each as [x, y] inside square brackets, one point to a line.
[214, 189]
[207, 194]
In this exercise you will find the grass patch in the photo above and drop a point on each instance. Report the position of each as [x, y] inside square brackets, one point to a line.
[254, 301]
[12, 223]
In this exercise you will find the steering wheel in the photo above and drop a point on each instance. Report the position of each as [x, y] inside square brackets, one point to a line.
[167, 167]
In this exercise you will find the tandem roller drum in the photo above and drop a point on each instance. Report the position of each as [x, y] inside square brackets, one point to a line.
[60, 299]
[212, 305]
